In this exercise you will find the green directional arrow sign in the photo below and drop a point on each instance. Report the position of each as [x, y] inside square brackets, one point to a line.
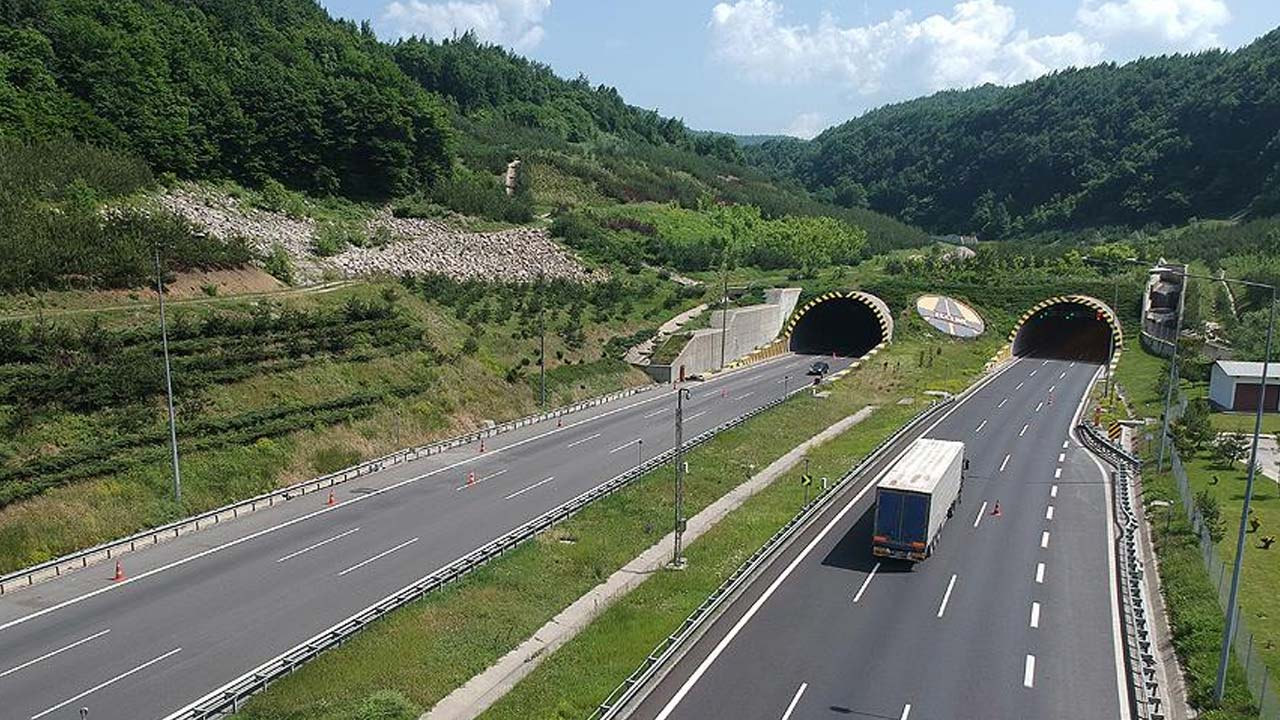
[806, 479]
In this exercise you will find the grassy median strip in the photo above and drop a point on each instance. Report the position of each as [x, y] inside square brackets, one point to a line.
[573, 681]
[416, 656]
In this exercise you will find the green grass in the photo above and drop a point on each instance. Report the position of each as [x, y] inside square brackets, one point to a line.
[456, 392]
[670, 349]
[427, 649]
[1195, 617]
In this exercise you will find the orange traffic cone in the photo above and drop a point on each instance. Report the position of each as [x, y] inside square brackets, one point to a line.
[996, 510]
[119, 572]
[481, 444]
[559, 422]
[471, 478]
[332, 500]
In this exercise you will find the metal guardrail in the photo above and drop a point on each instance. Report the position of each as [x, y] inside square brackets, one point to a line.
[229, 697]
[670, 646]
[1144, 690]
[114, 548]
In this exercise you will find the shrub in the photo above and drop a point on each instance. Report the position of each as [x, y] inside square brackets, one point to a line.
[386, 705]
[278, 265]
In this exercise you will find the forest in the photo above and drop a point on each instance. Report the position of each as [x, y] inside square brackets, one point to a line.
[1157, 141]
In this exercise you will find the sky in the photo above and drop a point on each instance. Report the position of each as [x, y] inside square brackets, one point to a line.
[798, 66]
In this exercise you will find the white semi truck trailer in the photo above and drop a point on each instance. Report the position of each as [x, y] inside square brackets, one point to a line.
[915, 498]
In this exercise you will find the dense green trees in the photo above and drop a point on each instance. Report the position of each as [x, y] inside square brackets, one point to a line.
[247, 89]
[1159, 140]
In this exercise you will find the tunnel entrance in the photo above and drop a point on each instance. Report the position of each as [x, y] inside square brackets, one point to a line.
[1074, 328]
[849, 326]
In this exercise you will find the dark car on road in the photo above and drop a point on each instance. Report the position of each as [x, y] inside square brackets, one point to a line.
[819, 368]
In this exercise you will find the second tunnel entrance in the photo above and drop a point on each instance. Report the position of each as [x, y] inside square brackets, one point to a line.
[847, 325]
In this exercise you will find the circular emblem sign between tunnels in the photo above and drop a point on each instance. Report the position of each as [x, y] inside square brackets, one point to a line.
[950, 316]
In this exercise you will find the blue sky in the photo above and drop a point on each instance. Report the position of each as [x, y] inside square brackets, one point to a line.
[797, 66]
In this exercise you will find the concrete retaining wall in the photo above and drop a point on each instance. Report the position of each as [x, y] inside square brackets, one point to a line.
[746, 329]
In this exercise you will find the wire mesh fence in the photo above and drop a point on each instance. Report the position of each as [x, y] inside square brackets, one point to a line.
[1246, 646]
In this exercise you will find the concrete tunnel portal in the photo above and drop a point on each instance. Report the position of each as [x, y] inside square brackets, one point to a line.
[846, 324]
[1072, 327]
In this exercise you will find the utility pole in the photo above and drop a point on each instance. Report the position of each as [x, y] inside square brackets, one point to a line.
[542, 331]
[1173, 374]
[724, 311]
[1233, 611]
[168, 383]
[677, 560]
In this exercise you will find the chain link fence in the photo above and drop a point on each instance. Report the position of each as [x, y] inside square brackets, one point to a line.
[1247, 648]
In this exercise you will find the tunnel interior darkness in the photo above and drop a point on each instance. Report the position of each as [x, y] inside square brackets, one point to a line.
[844, 326]
[1065, 331]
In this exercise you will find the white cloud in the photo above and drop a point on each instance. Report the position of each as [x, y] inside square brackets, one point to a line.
[1177, 23]
[806, 125]
[977, 43]
[514, 23]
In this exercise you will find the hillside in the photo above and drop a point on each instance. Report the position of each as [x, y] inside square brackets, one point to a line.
[1160, 140]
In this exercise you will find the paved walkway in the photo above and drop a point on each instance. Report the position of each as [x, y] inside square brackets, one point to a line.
[639, 354]
[483, 690]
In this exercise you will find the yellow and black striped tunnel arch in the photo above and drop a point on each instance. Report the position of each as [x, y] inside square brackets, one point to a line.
[1077, 327]
[848, 323]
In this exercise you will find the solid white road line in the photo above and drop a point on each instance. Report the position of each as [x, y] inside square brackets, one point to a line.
[981, 511]
[101, 685]
[322, 543]
[1019, 387]
[1024, 430]
[59, 651]
[794, 701]
[718, 650]
[588, 438]
[1044, 539]
[946, 597]
[622, 447]
[1035, 615]
[1048, 513]
[1053, 491]
[1004, 463]
[1029, 672]
[1040, 573]
[906, 712]
[379, 556]
[858, 596]
[540, 483]
[695, 416]
[1002, 403]
[1039, 406]
[980, 426]
[655, 413]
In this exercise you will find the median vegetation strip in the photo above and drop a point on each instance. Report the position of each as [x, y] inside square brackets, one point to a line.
[426, 650]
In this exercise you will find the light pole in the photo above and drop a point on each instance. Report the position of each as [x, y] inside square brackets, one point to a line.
[542, 343]
[168, 384]
[724, 313]
[1232, 610]
[677, 561]
[1173, 369]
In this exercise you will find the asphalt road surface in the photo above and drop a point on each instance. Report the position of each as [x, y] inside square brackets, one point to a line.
[199, 611]
[1013, 616]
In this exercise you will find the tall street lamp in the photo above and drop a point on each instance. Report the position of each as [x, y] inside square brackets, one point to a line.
[677, 561]
[168, 384]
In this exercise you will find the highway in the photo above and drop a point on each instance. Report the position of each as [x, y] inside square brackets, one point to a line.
[1014, 616]
[199, 611]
